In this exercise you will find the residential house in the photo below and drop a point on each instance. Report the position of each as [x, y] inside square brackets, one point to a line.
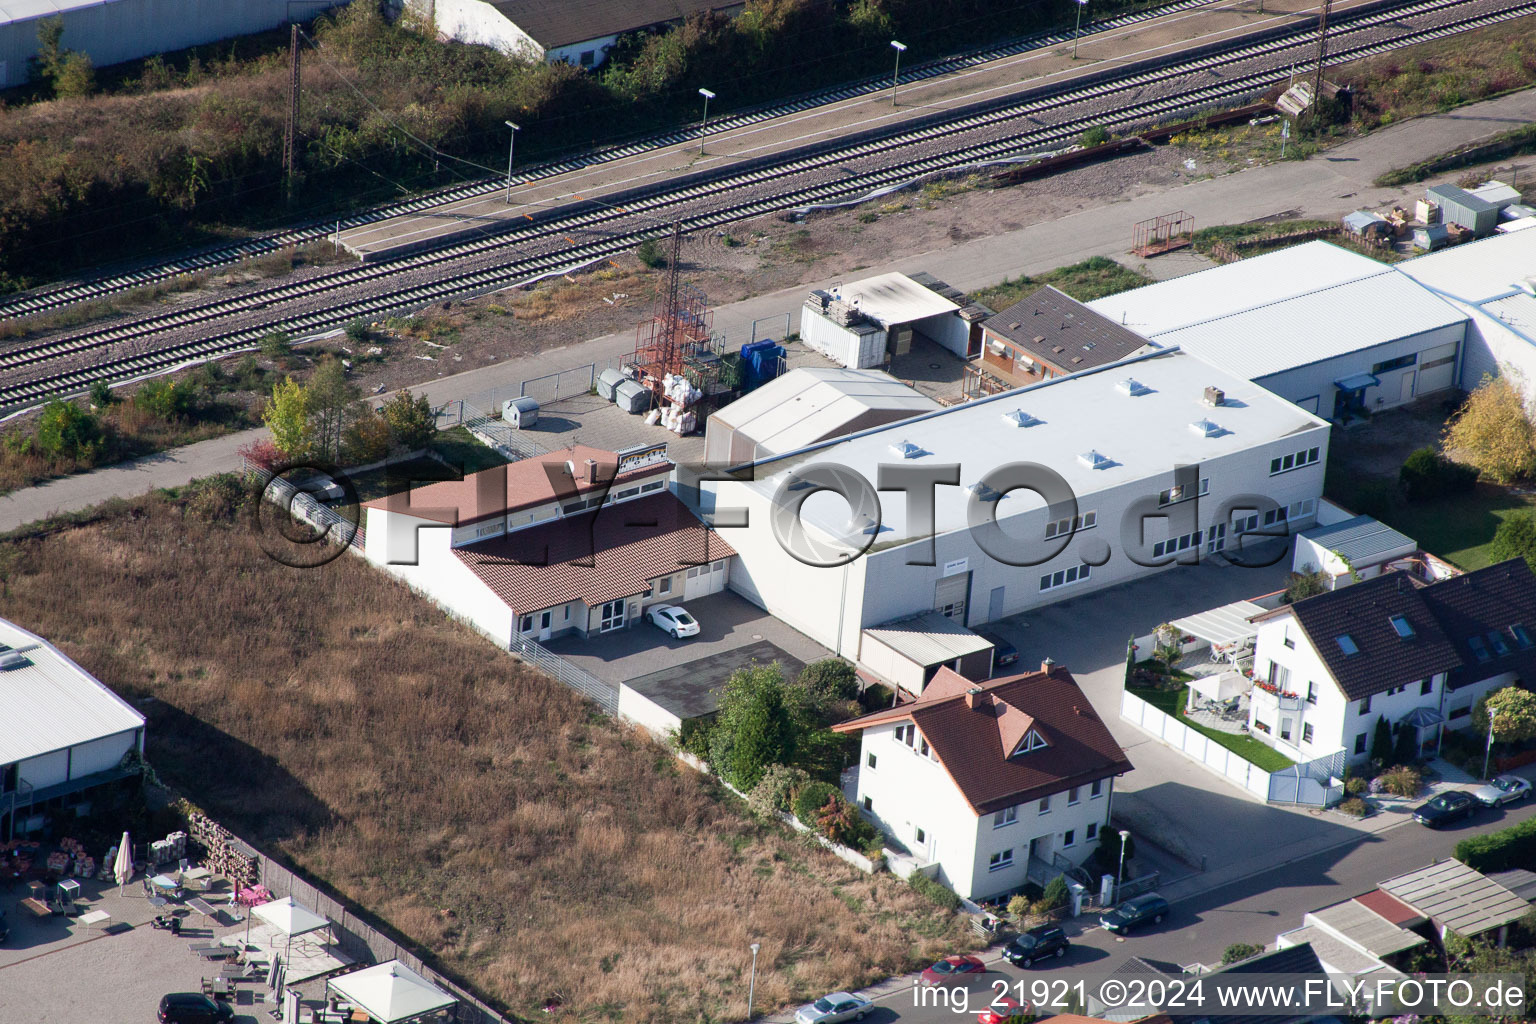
[63, 731]
[1418, 655]
[995, 783]
[1047, 334]
[578, 541]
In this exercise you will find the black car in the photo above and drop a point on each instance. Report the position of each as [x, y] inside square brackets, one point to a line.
[1134, 913]
[1037, 944]
[1450, 806]
[1003, 652]
[193, 1008]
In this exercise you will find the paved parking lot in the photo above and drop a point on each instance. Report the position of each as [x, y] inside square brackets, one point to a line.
[726, 622]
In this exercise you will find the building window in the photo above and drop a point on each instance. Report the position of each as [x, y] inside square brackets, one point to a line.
[1360, 742]
[1062, 577]
[1365, 706]
[922, 837]
[1285, 729]
[1457, 713]
[1262, 726]
[1216, 538]
[527, 624]
[1006, 816]
[1522, 637]
[1045, 805]
[1286, 638]
[1176, 494]
[646, 592]
[1426, 687]
[1297, 460]
[664, 586]
[588, 58]
[922, 746]
[1096, 790]
[1395, 364]
[1176, 544]
[870, 760]
[1093, 831]
[1306, 732]
[1072, 796]
[1001, 859]
[1242, 524]
[1311, 692]
[1069, 838]
[1071, 524]
[906, 733]
[1302, 508]
[1275, 515]
[869, 803]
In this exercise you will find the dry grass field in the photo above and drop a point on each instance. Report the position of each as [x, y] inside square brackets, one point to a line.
[534, 847]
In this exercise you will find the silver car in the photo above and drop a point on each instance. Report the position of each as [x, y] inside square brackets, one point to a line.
[834, 1009]
[1506, 789]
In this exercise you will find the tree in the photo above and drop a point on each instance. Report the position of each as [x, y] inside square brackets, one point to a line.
[649, 253]
[1406, 749]
[1054, 896]
[1299, 586]
[1516, 538]
[1427, 475]
[276, 345]
[759, 724]
[67, 72]
[1514, 714]
[1381, 741]
[76, 77]
[1492, 429]
[66, 431]
[366, 439]
[411, 421]
[1095, 136]
[331, 401]
[101, 394]
[828, 681]
[165, 398]
[287, 416]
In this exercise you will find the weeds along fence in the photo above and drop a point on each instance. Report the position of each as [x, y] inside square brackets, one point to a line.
[578, 679]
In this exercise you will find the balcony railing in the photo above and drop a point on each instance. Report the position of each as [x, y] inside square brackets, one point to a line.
[1266, 700]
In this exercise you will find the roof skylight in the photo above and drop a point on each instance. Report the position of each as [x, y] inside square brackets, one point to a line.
[1206, 428]
[1133, 387]
[1403, 626]
[1348, 646]
[1094, 459]
[1019, 418]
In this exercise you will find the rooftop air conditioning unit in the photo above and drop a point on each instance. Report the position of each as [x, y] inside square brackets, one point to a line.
[1214, 396]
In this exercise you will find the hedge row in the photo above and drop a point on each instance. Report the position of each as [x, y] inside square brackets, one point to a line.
[1508, 848]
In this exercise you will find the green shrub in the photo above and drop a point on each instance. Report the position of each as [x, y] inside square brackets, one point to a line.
[1401, 781]
[167, 399]
[1240, 951]
[1095, 136]
[101, 394]
[358, 332]
[694, 734]
[1512, 847]
[1427, 475]
[1516, 538]
[1053, 896]
[1355, 785]
[217, 498]
[776, 790]
[810, 800]
[876, 697]
[649, 253]
[939, 894]
[276, 345]
[64, 430]
[830, 679]
[1355, 806]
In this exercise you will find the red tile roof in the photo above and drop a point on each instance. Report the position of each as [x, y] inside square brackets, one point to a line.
[596, 557]
[1390, 907]
[971, 732]
[528, 482]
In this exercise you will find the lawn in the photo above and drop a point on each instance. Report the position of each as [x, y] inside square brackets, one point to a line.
[1091, 279]
[522, 840]
[1171, 702]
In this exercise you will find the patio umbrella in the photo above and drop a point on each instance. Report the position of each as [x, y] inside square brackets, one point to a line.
[123, 866]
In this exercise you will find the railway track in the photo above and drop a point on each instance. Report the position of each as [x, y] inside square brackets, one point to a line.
[50, 298]
[1210, 80]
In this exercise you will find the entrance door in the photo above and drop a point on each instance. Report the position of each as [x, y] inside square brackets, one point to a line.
[612, 616]
[545, 618]
[697, 583]
[995, 604]
[1407, 386]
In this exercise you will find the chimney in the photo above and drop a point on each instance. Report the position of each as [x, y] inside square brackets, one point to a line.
[973, 697]
[592, 470]
[1047, 666]
[1214, 396]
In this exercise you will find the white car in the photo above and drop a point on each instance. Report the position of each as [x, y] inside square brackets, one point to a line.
[674, 620]
[1506, 789]
[834, 1009]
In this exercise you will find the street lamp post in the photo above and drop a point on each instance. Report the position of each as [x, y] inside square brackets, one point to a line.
[1120, 871]
[511, 141]
[900, 49]
[704, 127]
[1488, 751]
[752, 983]
[1077, 30]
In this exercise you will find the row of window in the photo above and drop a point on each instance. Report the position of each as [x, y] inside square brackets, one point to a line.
[1426, 687]
[1062, 577]
[1004, 858]
[1174, 495]
[577, 507]
[1496, 646]
[1176, 544]
[1297, 460]
[1071, 524]
[1009, 815]
[1216, 535]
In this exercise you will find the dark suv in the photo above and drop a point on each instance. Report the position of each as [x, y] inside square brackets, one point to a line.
[1148, 909]
[1037, 944]
[193, 1008]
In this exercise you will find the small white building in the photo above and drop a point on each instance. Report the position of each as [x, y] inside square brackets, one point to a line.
[1418, 655]
[63, 730]
[1149, 462]
[1356, 549]
[908, 653]
[994, 784]
[804, 407]
[859, 324]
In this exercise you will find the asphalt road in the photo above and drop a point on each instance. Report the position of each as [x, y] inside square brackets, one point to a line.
[1200, 927]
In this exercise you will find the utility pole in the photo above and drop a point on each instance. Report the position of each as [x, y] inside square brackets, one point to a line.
[292, 127]
[900, 49]
[1322, 51]
[511, 141]
[1077, 29]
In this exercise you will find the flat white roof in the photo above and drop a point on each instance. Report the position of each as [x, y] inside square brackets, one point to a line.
[1228, 624]
[1140, 438]
[51, 703]
[894, 299]
[1234, 287]
[1476, 271]
[1317, 325]
[22, 10]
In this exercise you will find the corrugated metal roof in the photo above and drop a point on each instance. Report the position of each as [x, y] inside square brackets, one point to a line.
[53, 703]
[1477, 271]
[1360, 539]
[894, 299]
[1457, 897]
[929, 639]
[1318, 325]
[22, 10]
[1233, 287]
[1331, 953]
[1366, 928]
[806, 405]
[1452, 194]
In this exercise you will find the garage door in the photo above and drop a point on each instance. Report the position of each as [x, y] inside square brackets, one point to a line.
[1437, 368]
[703, 580]
[950, 594]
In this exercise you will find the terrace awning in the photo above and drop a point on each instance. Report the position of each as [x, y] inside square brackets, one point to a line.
[1221, 686]
[1357, 382]
[290, 918]
[1222, 626]
[391, 992]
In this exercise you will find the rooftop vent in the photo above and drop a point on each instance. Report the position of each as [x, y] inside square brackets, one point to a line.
[908, 450]
[1205, 428]
[13, 659]
[1133, 387]
[1094, 460]
[1039, 339]
[1013, 326]
[1214, 396]
[1058, 349]
[1019, 418]
[984, 492]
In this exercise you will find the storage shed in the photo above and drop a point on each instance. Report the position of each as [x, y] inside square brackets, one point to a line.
[910, 652]
[520, 413]
[1458, 206]
[1365, 224]
[1360, 546]
[858, 324]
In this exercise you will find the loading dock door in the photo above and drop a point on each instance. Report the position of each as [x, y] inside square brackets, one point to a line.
[950, 594]
[1437, 368]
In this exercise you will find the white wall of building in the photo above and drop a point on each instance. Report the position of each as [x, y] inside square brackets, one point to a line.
[1315, 554]
[473, 21]
[1049, 826]
[1493, 345]
[890, 664]
[438, 573]
[844, 346]
[574, 53]
[948, 330]
[48, 770]
[1312, 388]
[636, 707]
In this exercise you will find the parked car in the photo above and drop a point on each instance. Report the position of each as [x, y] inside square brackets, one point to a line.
[193, 1008]
[953, 969]
[1037, 944]
[672, 619]
[834, 1009]
[1506, 789]
[1134, 913]
[1003, 652]
[1455, 805]
[1006, 1010]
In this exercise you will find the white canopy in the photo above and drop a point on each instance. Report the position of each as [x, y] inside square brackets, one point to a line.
[1225, 625]
[391, 992]
[290, 918]
[1221, 685]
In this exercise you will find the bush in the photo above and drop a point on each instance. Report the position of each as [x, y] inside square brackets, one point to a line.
[1427, 475]
[693, 736]
[101, 394]
[1053, 896]
[1019, 906]
[217, 499]
[1512, 847]
[1406, 749]
[167, 399]
[1402, 781]
[276, 345]
[366, 439]
[1095, 136]
[876, 697]
[810, 800]
[776, 790]
[358, 332]
[1355, 785]
[829, 680]
[1516, 538]
[411, 421]
[66, 431]
[1355, 806]
[1240, 951]
[649, 253]
[939, 894]
[842, 824]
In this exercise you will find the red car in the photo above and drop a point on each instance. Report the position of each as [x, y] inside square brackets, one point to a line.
[1005, 1011]
[952, 969]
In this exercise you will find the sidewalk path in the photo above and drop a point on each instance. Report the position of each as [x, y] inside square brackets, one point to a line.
[1326, 186]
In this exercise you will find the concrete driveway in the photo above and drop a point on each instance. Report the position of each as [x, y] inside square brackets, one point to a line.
[726, 622]
[1188, 810]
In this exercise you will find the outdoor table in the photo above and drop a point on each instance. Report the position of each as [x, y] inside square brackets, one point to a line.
[163, 882]
[37, 907]
[94, 917]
